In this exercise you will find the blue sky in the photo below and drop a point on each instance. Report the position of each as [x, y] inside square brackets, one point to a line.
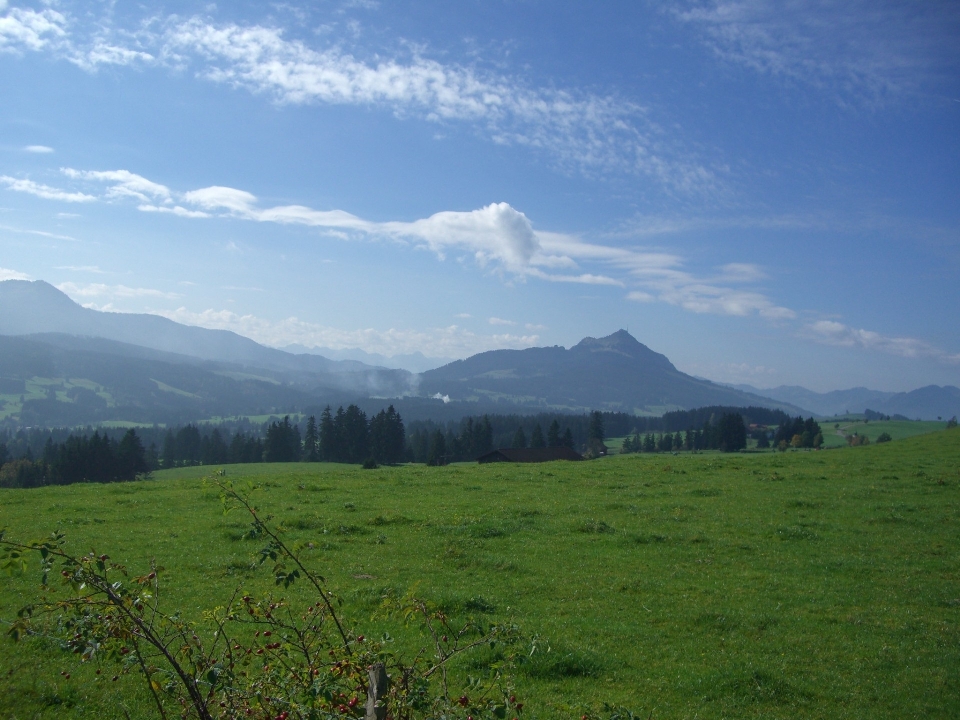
[765, 192]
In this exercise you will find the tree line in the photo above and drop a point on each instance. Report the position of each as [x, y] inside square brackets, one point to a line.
[798, 433]
[81, 458]
[727, 434]
[435, 444]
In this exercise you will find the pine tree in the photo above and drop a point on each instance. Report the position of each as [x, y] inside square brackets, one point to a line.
[596, 426]
[553, 434]
[438, 449]
[311, 441]
[536, 437]
[169, 450]
[131, 460]
[328, 439]
[519, 438]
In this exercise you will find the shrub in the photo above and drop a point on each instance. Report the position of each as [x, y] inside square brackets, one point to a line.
[884, 437]
[263, 657]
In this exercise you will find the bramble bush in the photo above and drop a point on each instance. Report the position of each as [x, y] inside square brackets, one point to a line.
[263, 657]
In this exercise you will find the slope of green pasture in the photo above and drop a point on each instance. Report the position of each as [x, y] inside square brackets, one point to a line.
[780, 585]
[897, 429]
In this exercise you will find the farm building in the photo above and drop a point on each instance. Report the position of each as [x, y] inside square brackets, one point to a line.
[526, 455]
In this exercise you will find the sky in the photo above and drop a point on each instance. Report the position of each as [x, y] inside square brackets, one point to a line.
[766, 192]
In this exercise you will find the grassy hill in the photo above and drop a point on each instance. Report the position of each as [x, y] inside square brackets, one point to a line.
[781, 585]
[835, 433]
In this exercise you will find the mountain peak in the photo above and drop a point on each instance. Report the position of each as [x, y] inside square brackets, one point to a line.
[623, 343]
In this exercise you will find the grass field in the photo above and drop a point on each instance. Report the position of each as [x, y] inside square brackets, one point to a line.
[835, 433]
[780, 585]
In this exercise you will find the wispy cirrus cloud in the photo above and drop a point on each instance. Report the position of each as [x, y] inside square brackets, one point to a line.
[451, 341]
[39, 233]
[575, 129]
[44, 191]
[860, 50]
[99, 291]
[831, 332]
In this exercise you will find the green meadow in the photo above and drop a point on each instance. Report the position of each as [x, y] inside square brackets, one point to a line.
[771, 585]
[835, 432]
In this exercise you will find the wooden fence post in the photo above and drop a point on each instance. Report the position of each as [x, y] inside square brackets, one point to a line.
[376, 692]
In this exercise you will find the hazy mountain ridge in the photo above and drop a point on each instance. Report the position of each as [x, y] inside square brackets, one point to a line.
[159, 369]
[30, 308]
[926, 403]
[72, 383]
[612, 373]
[415, 362]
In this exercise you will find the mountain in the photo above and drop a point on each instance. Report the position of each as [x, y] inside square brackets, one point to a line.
[415, 362]
[615, 373]
[62, 380]
[28, 308]
[926, 403]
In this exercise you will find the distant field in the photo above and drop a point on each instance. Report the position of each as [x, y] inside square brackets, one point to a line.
[897, 429]
[771, 585]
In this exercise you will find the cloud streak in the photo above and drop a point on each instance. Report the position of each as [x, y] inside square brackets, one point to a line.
[452, 341]
[831, 332]
[44, 191]
[582, 130]
[114, 292]
[860, 50]
[577, 130]
[497, 237]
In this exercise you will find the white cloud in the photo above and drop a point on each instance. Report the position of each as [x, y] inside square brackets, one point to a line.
[496, 237]
[101, 290]
[855, 48]
[41, 233]
[7, 274]
[223, 198]
[22, 29]
[831, 332]
[38, 149]
[123, 183]
[173, 210]
[44, 191]
[103, 53]
[496, 233]
[81, 268]
[452, 341]
[577, 129]
[584, 279]
[500, 321]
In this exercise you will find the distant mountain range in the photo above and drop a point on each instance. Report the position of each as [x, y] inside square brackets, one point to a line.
[28, 308]
[62, 364]
[927, 403]
[413, 362]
